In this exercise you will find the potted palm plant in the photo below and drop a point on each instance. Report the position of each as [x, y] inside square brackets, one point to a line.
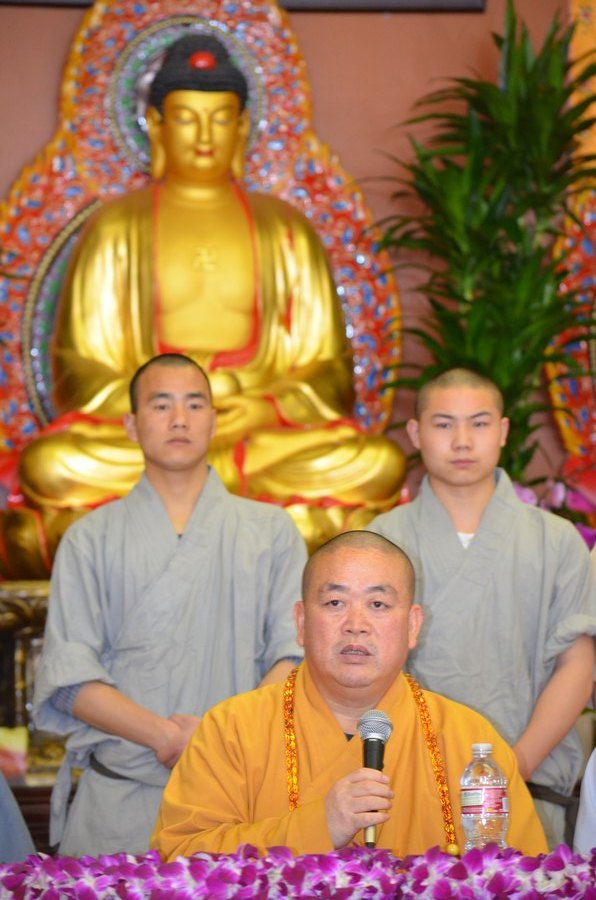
[493, 188]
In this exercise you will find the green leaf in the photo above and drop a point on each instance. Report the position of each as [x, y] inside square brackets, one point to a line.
[495, 183]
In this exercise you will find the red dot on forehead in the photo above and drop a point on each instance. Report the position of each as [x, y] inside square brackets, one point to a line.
[202, 59]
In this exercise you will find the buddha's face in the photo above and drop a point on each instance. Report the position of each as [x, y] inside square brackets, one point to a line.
[199, 132]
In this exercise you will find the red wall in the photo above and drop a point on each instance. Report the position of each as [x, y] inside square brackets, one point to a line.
[366, 72]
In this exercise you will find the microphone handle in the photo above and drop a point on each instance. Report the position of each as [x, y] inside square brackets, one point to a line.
[370, 836]
[374, 750]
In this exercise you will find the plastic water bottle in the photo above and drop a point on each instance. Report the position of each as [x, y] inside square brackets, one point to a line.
[484, 803]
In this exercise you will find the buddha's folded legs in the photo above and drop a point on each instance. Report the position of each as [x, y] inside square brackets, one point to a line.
[82, 467]
[336, 462]
[329, 479]
[91, 463]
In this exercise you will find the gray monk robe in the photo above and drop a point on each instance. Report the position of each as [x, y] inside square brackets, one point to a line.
[175, 623]
[499, 613]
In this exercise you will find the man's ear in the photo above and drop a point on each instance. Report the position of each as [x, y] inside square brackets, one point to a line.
[413, 432]
[504, 430]
[130, 426]
[158, 157]
[299, 622]
[415, 620]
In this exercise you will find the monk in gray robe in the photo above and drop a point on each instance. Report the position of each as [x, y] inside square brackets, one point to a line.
[161, 604]
[506, 590]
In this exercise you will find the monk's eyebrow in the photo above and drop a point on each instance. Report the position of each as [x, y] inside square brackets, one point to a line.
[160, 395]
[170, 396]
[334, 588]
[476, 415]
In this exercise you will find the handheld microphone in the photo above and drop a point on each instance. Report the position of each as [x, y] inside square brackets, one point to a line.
[374, 728]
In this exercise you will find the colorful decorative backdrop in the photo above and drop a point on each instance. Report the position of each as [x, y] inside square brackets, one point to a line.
[100, 150]
[577, 423]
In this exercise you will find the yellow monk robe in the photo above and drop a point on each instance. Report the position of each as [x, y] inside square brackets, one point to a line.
[230, 785]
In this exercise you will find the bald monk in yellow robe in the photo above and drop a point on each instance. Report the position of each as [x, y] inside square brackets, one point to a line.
[278, 766]
[237, 280]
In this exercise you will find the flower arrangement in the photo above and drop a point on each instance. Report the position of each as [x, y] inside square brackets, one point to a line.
[560, 498]
[350, 873]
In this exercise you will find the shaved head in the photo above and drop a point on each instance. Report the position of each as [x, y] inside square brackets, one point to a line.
[359, 540]
[455, 378]
[166, 360]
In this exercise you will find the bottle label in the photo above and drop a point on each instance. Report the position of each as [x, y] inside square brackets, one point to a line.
[482, 801]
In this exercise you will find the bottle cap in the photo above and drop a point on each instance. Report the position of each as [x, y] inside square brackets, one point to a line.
[485, 748]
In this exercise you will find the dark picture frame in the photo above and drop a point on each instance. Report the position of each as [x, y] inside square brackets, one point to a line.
[320, 5]
[384, 5]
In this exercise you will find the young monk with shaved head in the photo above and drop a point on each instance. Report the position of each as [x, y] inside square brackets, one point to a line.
[505, 586]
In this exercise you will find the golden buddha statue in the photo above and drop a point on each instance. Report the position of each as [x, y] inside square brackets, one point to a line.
[237, 280]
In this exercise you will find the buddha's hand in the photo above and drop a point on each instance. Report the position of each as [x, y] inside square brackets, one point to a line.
[177, 732]
[360, 799]
[223, 384]
[239, 416]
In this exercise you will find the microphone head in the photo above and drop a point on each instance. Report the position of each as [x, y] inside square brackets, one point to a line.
[375, 725]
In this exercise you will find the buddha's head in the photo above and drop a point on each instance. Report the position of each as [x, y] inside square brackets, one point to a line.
[197, 119]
